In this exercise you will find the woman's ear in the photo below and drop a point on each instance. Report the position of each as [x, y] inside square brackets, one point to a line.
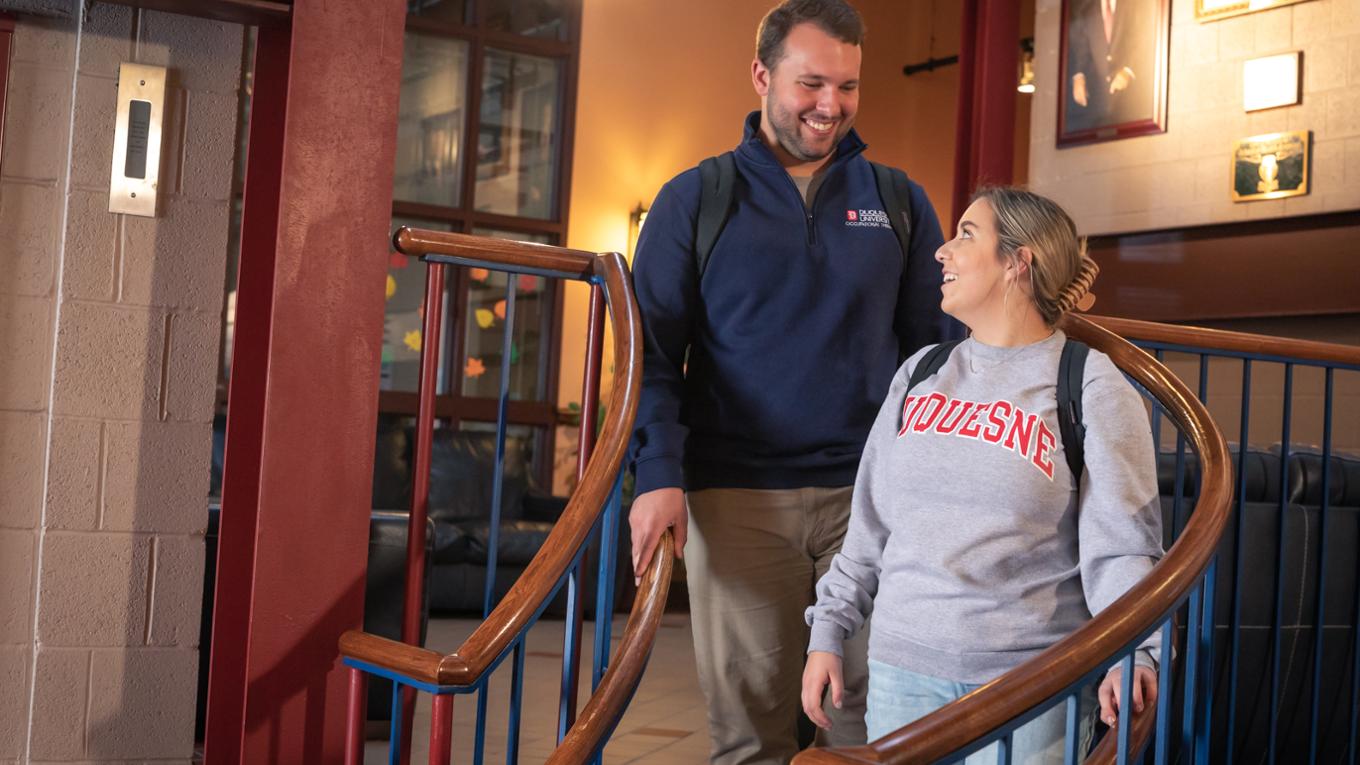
[1020, 264]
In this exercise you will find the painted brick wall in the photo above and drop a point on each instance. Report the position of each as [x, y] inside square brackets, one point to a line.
[1180, 178]
[109, 331]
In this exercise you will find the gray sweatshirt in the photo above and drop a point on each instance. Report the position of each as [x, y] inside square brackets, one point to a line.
[967, 539]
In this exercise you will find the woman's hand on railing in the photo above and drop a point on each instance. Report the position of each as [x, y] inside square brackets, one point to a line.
[1144, 692]
[822, 668]
[653, 512]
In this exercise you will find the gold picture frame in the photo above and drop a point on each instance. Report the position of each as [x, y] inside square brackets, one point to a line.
[1213, 10]
[1270, 166]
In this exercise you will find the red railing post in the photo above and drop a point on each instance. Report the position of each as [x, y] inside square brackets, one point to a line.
[354, 720]
[441, 730]
[420, 490]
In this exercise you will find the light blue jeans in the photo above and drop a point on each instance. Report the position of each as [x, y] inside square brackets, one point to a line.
[898, 696]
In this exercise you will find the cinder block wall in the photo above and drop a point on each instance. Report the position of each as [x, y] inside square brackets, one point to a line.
[1180, 178]
[109, 332]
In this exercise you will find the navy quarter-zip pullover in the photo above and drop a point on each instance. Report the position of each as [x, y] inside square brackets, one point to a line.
[767, 372]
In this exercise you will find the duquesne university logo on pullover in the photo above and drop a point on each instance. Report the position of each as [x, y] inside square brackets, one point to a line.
[1000, 423]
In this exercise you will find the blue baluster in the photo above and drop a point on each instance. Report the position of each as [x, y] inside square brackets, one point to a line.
[1238, 523]
[1071, 733]
[1275, 629]
[1206, 678]
[1164, 693]
[1125, 708]
[604, 603]
[394, 742]
[1315, 706]
[516, 702]
[1004, 745]
[570, 651]
[1192, 658]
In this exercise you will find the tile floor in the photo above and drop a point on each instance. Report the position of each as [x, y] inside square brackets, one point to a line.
[664, 725]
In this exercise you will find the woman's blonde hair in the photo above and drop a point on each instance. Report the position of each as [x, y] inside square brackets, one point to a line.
[1060, 272]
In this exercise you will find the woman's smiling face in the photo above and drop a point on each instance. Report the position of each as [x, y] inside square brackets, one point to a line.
[974, 277]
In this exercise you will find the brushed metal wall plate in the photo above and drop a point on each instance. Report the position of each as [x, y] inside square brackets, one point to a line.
[137, 140]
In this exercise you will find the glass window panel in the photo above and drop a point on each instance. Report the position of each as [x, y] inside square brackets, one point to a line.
[243, 113]
[518, 137]
[534, 18]
[229, 299]
[403, 320]
[454, 11]
[430, 120]
[485, 328]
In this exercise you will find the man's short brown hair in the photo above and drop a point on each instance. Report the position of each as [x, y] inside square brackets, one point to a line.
[835, 17]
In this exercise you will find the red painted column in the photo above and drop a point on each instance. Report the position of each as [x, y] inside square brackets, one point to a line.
[303, 400]
[989, 57]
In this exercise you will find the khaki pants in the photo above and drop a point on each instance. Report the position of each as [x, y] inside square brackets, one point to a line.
[752, 560]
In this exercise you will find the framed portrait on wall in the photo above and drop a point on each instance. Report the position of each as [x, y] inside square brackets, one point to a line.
[1112, 69]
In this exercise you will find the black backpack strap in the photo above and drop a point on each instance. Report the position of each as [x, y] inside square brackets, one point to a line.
[894, 190]
[1071, 371]
[718, 178]
[931, 362]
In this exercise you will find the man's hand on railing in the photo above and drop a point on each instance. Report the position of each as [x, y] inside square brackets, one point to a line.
[822, 668]
[653, 512]
[1144, 692]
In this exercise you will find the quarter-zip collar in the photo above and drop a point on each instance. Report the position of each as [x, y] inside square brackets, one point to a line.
[754, 150]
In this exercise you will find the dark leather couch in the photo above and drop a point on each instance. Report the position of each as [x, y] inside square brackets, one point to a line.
[1262, 526]
[462, 476]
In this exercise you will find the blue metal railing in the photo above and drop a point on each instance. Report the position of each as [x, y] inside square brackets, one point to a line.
[1235, 735]
[412, 669]
[1203, 737]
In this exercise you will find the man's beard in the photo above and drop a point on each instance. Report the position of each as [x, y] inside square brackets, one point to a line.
[787, 126]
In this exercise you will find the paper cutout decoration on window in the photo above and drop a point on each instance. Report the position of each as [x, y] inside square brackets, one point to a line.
[398, 261]
[514, 353]
[499, 308]
[479, 274]
[528, 283]
[391, 286]
[412, 340]
[474, 368]
[485, 318]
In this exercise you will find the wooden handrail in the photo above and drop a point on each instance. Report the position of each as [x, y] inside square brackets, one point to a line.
[1224, 340]
[1149, 602]
[606, 705]
[569, 264]
[512, 615]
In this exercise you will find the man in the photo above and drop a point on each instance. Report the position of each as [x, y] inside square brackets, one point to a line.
[764, 371]
[1111, 52]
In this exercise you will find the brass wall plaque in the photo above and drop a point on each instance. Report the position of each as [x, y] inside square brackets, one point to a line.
[137, 140]
[1271, 166]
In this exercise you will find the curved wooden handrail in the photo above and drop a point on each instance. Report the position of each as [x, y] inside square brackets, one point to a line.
[1036, 681]
[570, 264]
[1224, 340]
[495, 634]
[607, 704]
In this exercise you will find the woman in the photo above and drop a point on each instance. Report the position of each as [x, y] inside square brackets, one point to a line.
[969, 539]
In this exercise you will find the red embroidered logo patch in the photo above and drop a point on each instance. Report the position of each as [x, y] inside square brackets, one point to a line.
[851, 215]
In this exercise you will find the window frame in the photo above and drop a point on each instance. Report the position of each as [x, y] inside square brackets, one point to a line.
[453, 407]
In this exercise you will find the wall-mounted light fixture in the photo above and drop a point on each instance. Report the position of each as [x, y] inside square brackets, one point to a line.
[635, 220]
[1026, 84]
